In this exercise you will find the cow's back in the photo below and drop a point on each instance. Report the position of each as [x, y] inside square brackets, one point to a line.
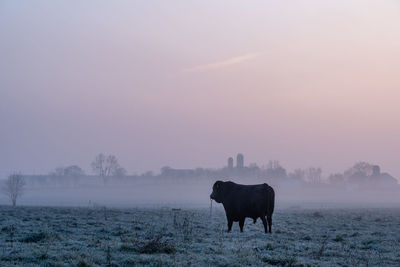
[248, 201]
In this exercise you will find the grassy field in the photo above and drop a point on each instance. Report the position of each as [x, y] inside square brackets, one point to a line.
[99, 236]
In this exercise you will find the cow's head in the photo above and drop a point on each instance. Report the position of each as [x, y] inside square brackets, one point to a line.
[218, 191]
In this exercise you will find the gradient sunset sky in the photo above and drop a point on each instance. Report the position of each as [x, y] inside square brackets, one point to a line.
[188, 84]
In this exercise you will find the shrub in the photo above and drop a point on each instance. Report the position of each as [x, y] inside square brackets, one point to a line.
[156, 245]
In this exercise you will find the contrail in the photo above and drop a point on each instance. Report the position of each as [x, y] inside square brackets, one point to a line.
[222, 63]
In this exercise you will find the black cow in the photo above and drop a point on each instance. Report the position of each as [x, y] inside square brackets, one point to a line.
[245, 201]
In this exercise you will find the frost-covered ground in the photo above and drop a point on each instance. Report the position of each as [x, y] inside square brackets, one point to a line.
[125, 237]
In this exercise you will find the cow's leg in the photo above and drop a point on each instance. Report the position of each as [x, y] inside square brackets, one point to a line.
[241, 224]
[230, 222]
[264, 221]
[269, 218]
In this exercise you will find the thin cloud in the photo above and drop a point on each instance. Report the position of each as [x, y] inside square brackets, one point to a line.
[223, 63]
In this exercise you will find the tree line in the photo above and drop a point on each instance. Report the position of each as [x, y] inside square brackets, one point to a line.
[107, 167]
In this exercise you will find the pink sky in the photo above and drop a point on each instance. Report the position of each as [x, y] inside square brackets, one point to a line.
[310, 83]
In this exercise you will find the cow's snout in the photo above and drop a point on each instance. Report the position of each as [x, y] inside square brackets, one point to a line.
[212, 196]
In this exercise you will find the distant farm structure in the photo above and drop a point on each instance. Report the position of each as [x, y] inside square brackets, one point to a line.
[71, 185]
[360, 176]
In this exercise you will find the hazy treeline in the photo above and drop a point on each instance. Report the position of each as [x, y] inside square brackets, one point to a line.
[111, 185]
[361, 175]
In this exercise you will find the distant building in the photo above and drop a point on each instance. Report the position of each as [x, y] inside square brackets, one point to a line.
[240, 161]
[376, 170]
[230, 163]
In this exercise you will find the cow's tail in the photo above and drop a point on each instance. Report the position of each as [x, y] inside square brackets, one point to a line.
[271, 200]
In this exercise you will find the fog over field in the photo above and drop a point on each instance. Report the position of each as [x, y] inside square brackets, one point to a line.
[361, 185]
[191, 195]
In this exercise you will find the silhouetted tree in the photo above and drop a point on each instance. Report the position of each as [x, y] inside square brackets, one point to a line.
[106, 166]
[298, 174]
[14, 187]
[74, 171]
[360, 168]
[313, 175]
[69, 175]
[71, 171]
[275, 170]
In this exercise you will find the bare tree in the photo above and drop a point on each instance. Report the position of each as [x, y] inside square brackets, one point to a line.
[298, 174]
[314, 175]
[14, 187]
[111, 165]
[275, 170]
[106, 166]
[98, 164]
